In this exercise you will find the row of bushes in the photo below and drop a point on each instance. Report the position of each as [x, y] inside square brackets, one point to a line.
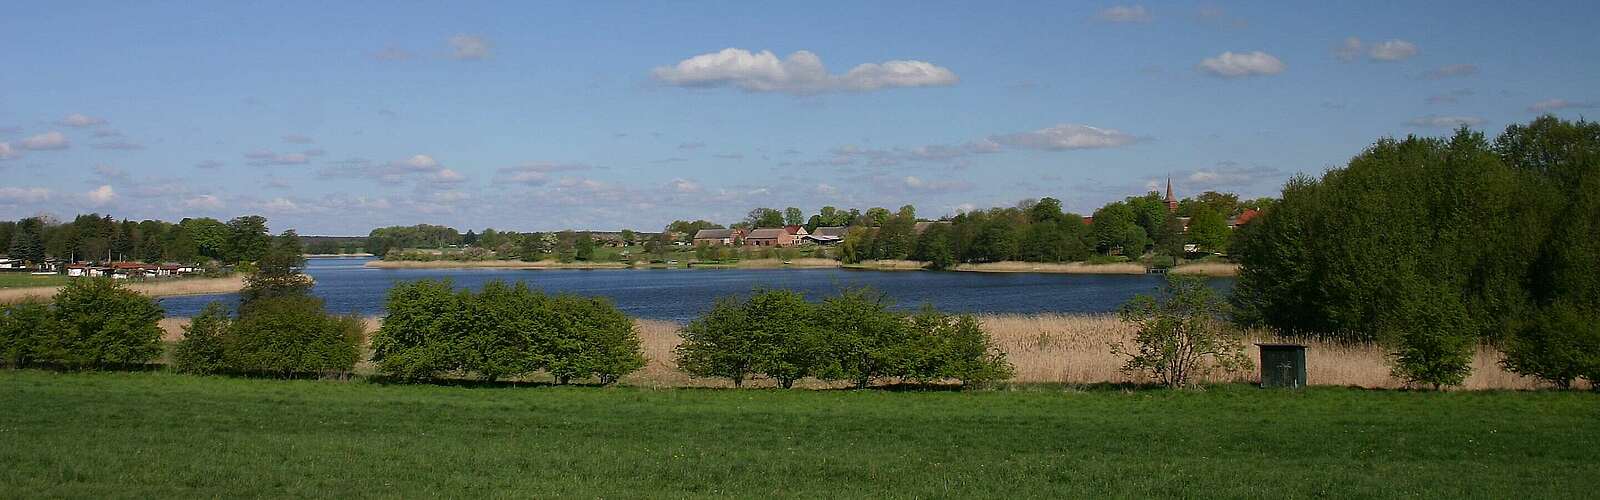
[281, 336]
[503, 331]
[853, 336]
[90, 324]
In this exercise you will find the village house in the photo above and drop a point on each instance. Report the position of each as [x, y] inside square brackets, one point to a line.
[769, 237]
[828, 235]
[798, 234]
[716, 237]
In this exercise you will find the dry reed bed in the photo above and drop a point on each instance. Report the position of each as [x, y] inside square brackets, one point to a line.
[1060, 268]
[167, 288]
[806, 262]
[1057, 349]
[1207, 269]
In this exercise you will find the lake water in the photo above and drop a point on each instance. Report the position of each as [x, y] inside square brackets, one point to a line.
[682, 294]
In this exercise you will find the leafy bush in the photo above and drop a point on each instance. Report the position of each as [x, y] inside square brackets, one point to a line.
[1429, 336]
[1559, 346]
[952, 347]
[290, 336]
[102, 324]
[25, 331]
[866, 340]
[717, 344]
[503, 331]
[1181, 334]
[201, 350]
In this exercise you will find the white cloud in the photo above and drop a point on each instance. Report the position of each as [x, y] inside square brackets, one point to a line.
[1548, 105]
[46, 141]
[101, 195]
[469, 47]
[81, 120]
[1392, 50]
[800, 73]
[420, 162]
[280, 205]
[17, 195]
[684, 186]
[1451, 71]
[1125, 14]
[1348, 50]
[1445, 121]
[264, 158]
[447, 176]
[204, 201]
[1067, 136]
[6, 153]
[1235, 65]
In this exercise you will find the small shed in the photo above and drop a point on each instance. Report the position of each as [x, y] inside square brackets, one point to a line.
[1283, 365]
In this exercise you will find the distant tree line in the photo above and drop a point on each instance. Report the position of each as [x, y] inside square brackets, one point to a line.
[101, 238]
[1432, 246]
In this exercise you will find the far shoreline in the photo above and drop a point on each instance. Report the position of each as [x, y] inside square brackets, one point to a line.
[1207, 269]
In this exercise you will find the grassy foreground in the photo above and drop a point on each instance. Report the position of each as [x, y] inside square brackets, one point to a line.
[165, 435]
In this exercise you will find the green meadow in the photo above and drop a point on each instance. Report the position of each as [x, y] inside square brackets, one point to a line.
[157, 434]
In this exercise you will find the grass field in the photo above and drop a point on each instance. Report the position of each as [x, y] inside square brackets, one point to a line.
[156, 435]
[17, 280]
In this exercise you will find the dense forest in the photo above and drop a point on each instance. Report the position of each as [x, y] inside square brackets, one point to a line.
[1433, 245]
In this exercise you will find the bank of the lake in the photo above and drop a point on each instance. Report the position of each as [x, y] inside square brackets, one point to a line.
[1214, 269]
[171, 287]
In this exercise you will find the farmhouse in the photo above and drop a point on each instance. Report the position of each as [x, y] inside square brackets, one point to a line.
[716, 237]
[769, 237]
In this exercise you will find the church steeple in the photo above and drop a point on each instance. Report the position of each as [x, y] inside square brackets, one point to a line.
[1172, 201]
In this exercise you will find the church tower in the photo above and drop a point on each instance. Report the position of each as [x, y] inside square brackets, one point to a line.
[1172, 201]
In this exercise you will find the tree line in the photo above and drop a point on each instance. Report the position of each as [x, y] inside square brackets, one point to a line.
[1433, 246]
[101, 238]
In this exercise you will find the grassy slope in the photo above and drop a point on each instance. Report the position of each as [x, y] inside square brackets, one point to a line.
[19, 279]
[163, 435]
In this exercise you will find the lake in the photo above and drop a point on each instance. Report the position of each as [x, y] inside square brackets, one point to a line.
[681, 294]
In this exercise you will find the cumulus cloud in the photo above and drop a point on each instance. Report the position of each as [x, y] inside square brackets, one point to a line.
[1392, 50]
[1125, 14]
[265, 158]
[1437, 121]
[45, 142]
[1450, 71]
[1236, 65]
[19, 195]
[1549, 105]
[203, 202]
[468, 48]
[1067, 136]
[684, 186]
[1348, 50]
[81, 120]
[801, 73]
[447, 176]
[101, 195]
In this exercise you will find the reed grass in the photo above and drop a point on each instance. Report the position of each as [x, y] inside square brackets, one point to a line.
[164, 288]
[1046, 267]
[1214, 269]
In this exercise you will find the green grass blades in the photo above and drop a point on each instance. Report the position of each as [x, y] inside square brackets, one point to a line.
[161, 435]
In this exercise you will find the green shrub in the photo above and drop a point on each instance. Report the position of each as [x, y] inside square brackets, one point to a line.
[502, 332]
[789, 346]
[102, 324]
[1428, 334]
[201, 350]
[1182, 335]
[717, 344]
[25, 331]
[1562, 344]
[292, 335]
[866, 340]
[952, 347]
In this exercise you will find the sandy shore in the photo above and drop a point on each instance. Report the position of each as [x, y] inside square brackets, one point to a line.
[1058, 348]
[165, 288]
[491, 264]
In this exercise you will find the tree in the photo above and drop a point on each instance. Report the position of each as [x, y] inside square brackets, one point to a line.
[875, 216]
[248, 239]
[793, 216]
[629, 237]
[280, 272]
[292, 335]
[103, 324]
[997, 241]
[1208, 229]
[764, 218]
[26, 245]
[952, 347]
[583, 247]
[717, 344]
[1181, 335]
[1428, 333]
[1560, 345]
[1046, 210]
[866, 340]
[201, 350]
[936, 247]
[1114, 229]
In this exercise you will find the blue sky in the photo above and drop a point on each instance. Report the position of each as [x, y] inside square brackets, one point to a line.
[336, 117]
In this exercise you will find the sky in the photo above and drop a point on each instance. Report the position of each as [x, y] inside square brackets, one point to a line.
[337, 117]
